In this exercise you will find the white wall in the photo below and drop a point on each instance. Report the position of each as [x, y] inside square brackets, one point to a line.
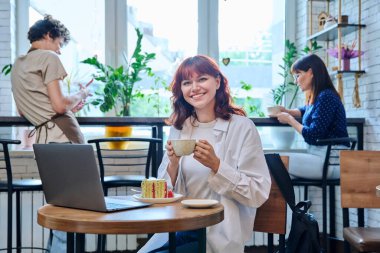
[369, 83]
[6, 20]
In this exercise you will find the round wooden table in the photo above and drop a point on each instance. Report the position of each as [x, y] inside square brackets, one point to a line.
[170, 217]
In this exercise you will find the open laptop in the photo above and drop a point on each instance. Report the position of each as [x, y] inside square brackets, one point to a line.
[70, 178]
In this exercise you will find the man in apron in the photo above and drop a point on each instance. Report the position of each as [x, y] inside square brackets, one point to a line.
[36, 85]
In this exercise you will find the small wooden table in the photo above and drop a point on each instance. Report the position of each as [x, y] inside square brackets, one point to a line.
[170, 217]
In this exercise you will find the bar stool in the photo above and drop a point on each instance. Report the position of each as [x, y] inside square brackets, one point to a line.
[334, 146]
[15, 186]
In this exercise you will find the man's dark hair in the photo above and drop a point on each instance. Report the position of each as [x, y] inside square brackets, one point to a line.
[54, 28]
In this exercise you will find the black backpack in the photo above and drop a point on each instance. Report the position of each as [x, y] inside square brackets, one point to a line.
[304, 232]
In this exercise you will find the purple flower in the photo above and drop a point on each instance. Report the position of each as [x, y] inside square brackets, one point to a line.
[346, 53]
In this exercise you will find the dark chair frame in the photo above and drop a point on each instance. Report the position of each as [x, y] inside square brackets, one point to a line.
[151, 167]
[16, 186]
[128, 180]
[325, 182]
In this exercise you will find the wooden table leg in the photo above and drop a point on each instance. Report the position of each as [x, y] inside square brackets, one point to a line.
[172, 242]
[70, 243]
[202, 240]
[79, 242]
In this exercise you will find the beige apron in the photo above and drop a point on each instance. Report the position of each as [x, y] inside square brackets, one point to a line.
[67, 123]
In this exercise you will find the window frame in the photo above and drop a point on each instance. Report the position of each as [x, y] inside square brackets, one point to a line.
[116, 33]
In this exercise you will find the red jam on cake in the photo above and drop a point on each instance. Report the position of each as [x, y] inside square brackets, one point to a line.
[155, 188]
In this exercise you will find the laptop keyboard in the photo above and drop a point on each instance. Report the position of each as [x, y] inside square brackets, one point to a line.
[112, 206]
[115, 204]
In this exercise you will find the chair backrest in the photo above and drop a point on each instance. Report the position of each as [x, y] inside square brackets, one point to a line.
[271, 216]
[334, 146]
[140, 154]
[5, 161]
[359, 176]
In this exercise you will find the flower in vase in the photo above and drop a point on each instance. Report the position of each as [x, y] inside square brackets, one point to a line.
[347, 51]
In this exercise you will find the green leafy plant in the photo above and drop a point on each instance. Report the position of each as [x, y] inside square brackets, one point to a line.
[251, 105]
[155, 102]
[288, 85]
[119, 83]
[154, 98]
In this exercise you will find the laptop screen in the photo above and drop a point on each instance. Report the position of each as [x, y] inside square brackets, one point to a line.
[69, 175]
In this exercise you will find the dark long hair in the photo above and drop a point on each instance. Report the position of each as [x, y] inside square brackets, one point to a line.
[200, 65]
[321, 78]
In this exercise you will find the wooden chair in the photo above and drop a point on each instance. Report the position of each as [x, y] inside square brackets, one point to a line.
[359, 176]
[271, 216]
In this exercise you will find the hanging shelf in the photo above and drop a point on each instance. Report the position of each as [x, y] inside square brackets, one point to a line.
[337, 32]
[331, 33]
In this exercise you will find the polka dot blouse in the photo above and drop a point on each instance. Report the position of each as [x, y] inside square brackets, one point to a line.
[326, 118]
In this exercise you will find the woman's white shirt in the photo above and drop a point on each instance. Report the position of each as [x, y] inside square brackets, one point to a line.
[195, 174]
[241, 184]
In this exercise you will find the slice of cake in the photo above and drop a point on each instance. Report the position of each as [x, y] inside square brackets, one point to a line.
[154, 188]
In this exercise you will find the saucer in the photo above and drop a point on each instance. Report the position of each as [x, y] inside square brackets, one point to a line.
[199, 203]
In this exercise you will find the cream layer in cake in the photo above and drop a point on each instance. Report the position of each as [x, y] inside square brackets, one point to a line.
[154, 188]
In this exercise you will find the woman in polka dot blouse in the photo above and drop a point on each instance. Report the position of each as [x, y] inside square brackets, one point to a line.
[323, 116]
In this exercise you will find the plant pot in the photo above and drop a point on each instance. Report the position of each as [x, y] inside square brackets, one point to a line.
[118, 131]
[282, 137]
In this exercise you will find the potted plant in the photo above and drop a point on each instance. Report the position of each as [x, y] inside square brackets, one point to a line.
[119, 83]
[283, 138]
[119, 88]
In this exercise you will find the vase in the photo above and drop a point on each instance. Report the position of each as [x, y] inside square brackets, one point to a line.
[346, 64]
[118, 131]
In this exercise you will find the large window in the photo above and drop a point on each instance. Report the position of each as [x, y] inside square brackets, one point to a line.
[247, 40]
[170, 31]
[86, 23]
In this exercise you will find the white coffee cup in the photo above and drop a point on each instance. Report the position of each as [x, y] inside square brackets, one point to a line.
[273, 110]
[183, 147]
